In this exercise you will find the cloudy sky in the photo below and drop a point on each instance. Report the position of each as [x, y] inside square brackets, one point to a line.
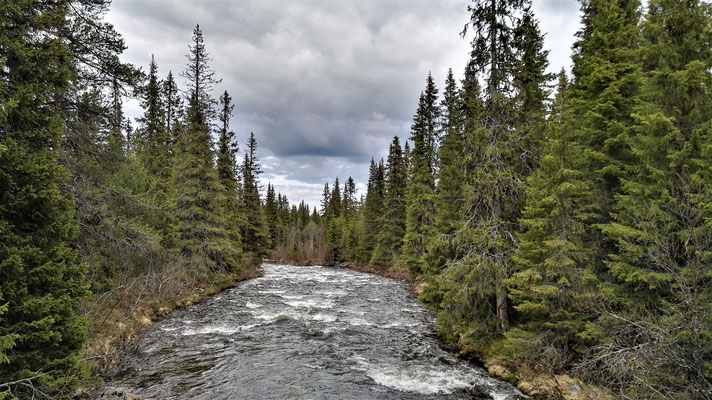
[323, 84]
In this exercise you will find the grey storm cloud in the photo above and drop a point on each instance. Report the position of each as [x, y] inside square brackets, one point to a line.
[324, 84]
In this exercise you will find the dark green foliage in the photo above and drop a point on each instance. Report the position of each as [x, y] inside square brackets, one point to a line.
[173, 107]
[41, 280]
[255, 235]
[227, 169]
[350, 225]
[202, 224]
[531, 85]
[152, 141]
[496, 169]
[372, 211]
[658, 319]
[272, 215]
[334, 222]
[606, 82]
[390, 238]
[449, 195]
[420, 197]
[553, 285]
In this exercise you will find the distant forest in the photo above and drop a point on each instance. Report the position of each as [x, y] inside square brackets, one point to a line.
[556, 224]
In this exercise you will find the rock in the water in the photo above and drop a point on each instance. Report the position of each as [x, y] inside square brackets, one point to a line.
[479, 393]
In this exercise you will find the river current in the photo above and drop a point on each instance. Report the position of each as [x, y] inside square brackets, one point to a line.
[301, 333]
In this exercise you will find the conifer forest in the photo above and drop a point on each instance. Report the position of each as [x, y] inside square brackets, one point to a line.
[558, 226]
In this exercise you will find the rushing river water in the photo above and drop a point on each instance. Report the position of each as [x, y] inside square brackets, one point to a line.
[301, 333]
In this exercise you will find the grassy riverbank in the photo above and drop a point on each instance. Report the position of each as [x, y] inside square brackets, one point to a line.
[117, 316]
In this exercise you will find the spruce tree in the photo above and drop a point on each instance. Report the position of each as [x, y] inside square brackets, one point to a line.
[41, 281]
[173, 107]
[372, 210]
[325, 200]
[553, 281]
[255, 235]
[151, 141]
[201, 79]
[113, 138]
[226, 166]
[335, 223]
[348, 203]
[420, 197]
[152, 146]
[272, 215]
[658, 319]
[202, 224]
[605, 86]
[530, 81]
[349, 212]
[449, 193]
[390, 238]
[334, 210]
[496, 171]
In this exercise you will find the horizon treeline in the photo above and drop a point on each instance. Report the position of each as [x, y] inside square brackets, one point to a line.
[96, 214]
[559, 224]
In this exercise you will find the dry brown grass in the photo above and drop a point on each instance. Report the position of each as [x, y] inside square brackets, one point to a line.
[117, 316]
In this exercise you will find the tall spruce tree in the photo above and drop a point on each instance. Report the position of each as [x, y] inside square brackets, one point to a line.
[372, 210]
[348, 201]
[420, 197]
[349, 212]
[272, 215]
[255, 235]
[173, 107]
[41, 281]
[553, 281]
[658, 319]
[531, 83]
[335, 222]
[604, 91]
[459, 111]
[227, 170]
[113, 137]
[449, 195]
[325, 200]
[152, 141]
[334, 210]
[390, 238]
[202, 224]
[496, 171]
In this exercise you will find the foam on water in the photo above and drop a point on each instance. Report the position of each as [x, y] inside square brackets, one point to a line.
[252, 305]
[310, 303]
[416, 379]
[216, 330]
[322, 317]
[291, 297]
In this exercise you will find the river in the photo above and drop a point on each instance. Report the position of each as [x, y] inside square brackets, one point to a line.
[301, 333]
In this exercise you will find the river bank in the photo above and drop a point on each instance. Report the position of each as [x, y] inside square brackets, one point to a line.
[117, 317]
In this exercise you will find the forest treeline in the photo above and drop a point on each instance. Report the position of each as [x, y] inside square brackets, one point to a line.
[101, 223]
[558, 224]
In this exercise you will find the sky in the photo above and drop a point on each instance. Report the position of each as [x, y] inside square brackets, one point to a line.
[323, 84]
